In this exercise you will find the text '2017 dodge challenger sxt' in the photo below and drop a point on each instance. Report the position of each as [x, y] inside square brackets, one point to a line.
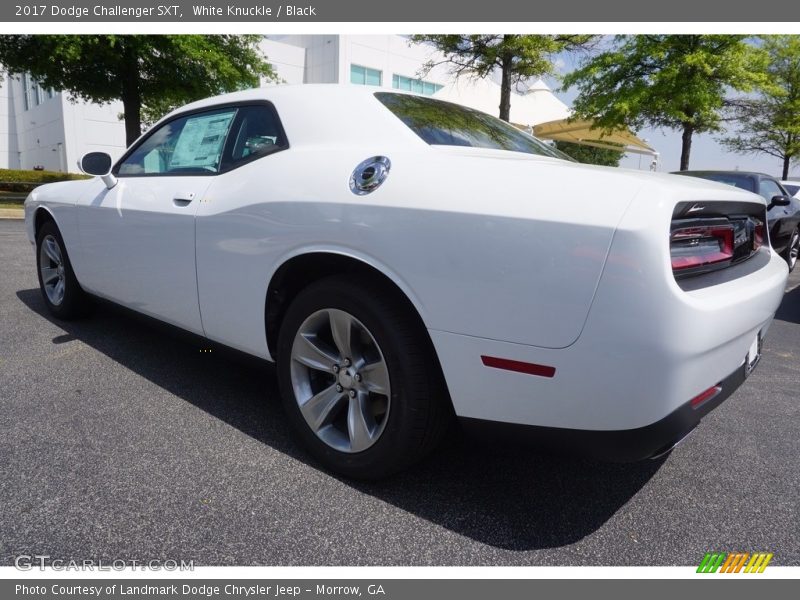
[402, 259]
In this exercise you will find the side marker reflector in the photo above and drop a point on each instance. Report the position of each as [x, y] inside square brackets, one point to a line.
[705, 396]
[518, 366]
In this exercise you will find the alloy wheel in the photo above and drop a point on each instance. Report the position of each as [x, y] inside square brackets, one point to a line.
[794, 249]
[340, 380]
[51, 267]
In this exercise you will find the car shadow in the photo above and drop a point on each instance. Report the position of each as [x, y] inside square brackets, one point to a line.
[789, 310]
[508, 497]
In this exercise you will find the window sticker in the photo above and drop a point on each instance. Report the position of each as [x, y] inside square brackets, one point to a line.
[200, 143]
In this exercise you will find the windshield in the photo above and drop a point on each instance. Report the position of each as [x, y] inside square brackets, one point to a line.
[446, 124]
[741, 181]
[792, 188]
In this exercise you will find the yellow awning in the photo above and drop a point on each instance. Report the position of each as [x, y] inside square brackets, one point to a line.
[581, 132]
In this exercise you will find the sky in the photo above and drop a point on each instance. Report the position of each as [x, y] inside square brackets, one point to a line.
[707, 152]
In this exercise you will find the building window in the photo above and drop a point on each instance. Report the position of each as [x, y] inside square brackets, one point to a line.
[364, 75]
[34, 94]
[426, 88]
[28, 95]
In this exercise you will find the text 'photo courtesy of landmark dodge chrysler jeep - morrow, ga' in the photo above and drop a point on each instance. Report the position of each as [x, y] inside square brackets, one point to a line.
[404, 260]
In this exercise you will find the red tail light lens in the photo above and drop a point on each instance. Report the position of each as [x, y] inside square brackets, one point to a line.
[758, 236]
[697, 246]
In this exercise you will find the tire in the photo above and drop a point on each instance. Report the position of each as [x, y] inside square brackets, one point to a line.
[790, 254]
[397, 411]
[60, 289]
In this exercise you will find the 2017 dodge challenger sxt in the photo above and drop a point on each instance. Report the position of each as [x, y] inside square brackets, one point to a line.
[402, 259]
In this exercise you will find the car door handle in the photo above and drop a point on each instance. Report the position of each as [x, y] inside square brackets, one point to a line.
[183, 198]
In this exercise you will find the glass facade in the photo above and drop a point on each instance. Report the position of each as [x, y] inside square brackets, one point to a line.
[409, 84]
[365, 76]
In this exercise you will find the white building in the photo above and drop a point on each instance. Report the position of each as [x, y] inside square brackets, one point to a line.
[45, 128]
[388, 61]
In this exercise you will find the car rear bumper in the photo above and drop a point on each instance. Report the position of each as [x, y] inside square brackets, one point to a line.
[625, 445]
[649, 346]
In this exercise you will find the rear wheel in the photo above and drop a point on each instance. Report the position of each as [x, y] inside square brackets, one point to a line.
[793, 250]
[357, 378]
[60, 289]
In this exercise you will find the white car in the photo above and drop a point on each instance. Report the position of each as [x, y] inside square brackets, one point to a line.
[793, 187]
[403, 259]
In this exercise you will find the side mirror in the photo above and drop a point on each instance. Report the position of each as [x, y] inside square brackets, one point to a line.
[779, 201]
[99, 164]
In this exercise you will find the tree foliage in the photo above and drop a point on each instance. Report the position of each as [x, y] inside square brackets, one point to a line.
[591, 155]
[148, 73]
[673, 81]
[516, 57]
[769, 122]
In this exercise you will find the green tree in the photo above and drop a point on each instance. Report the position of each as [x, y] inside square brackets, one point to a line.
[673, 81]
[516, 57]
[143, 71]
[769, 122]
[591, 155]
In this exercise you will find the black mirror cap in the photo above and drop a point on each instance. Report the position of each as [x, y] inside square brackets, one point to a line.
[96, 163]
[779, 200]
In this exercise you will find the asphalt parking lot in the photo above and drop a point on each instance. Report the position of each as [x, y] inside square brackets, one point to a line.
[120, 439]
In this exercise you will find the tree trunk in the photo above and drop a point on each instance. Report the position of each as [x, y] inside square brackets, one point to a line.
[786, 160]
[686, 145]
[505, 88]
[132, 105]
[131, 97]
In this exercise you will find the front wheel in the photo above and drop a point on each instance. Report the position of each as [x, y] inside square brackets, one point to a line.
[358, 379]
[793, 250]
[60, 289]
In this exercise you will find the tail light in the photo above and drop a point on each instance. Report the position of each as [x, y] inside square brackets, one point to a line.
[758, 235]
[692, 247]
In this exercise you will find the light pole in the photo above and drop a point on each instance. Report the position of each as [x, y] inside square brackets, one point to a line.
[645, 140]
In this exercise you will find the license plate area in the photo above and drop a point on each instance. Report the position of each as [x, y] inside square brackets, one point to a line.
[753, 355]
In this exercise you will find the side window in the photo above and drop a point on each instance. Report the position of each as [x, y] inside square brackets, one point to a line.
[256, 133]
[187, 145]
[769, 189]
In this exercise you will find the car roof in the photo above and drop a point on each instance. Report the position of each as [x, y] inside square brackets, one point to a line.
[321, 113]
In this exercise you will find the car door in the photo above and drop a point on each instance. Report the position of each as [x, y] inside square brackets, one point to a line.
[778, 225]
[138, 238]
[236, 236]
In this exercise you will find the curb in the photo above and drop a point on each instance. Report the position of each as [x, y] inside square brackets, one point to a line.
[12, 213]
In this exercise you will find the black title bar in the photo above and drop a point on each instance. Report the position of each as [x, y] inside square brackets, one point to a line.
[438, 11]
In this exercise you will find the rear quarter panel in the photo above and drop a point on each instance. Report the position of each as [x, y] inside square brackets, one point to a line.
[494, 246]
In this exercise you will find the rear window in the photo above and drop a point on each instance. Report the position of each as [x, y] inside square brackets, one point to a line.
[446, 124]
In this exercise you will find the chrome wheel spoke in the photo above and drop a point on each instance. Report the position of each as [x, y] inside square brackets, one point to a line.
[58, 291]
[359, 432]
[52, 250]
[317, 409]
[309, 351]
[342, 331]
[49, 274]
[375, 377]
